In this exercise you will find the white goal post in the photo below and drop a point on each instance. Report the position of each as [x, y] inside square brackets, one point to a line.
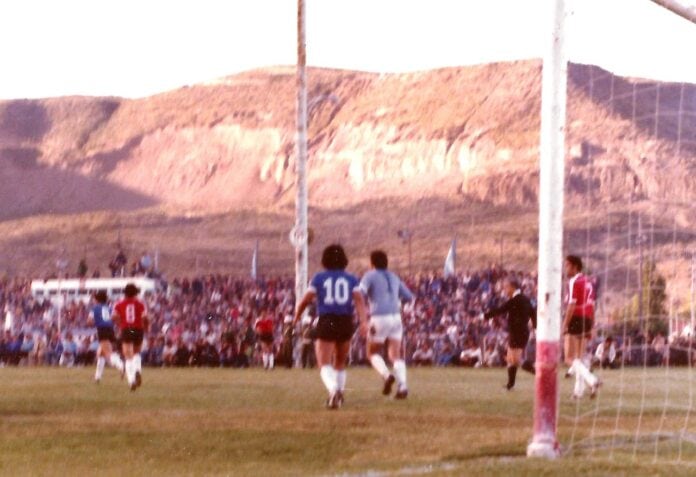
[551, 210]
[551, 189]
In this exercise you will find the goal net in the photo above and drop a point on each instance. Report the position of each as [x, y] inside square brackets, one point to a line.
[629, 212]
[629, 189]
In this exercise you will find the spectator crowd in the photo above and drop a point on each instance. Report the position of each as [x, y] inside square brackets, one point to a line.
[209, 321]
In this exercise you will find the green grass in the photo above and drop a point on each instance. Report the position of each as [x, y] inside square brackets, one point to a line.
[250, 422]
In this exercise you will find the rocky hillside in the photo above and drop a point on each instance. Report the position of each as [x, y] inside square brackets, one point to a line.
[461, 131]
[463, 137]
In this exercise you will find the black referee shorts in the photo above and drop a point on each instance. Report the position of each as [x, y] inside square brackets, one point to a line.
[518, 340]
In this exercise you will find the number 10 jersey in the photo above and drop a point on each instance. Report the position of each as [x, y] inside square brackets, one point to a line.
[334, 290]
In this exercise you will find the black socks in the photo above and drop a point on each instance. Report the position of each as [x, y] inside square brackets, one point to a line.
[512, 374]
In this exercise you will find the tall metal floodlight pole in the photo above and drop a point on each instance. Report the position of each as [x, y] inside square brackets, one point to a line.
[551, 163]
[300, 232]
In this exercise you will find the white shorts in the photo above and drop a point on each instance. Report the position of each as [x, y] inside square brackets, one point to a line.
[386, 327]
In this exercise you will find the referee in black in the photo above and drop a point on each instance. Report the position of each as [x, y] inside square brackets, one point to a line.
[519, 310]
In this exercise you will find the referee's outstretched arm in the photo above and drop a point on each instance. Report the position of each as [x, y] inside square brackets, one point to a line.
[504, 308]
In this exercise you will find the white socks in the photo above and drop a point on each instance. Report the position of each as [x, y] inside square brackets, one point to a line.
[379, 365]
[579, 388]
[130, 371]
[101, 362]
[583, 377]
[268, 360]
[137, 363]
[399, 369]
[116, 362]
[341, 380]
[329, 377]
[400, 373]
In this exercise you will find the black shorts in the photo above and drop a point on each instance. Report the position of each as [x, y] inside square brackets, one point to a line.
[106, 333]
[518, 340]
[579, 326]
[266, 338]
[338, 328]
[132, 335]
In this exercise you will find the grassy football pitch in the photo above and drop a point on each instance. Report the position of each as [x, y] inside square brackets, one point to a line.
[256, 423]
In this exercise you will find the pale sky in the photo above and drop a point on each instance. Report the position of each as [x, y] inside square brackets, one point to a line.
[135, 48]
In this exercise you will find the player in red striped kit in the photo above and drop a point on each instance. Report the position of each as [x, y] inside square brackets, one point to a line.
[577, 326]
[264, 331]
[131, 315]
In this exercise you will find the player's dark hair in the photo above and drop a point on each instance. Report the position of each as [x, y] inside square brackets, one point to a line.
[101, 296]
[575, 261]
[379, 260]
[513, 282]
[131, 291]
[334, 257]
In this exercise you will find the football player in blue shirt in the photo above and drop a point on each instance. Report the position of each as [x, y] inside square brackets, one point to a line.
[100, 316]
[337, 294]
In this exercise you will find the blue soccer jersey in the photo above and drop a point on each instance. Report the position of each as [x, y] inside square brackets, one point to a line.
[102, 316]
[334, 290]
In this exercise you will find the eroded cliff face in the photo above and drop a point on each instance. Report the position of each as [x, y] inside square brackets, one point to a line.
[463, 132]
[445, 152]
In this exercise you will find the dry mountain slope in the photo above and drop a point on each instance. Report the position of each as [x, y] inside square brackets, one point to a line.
[471, 131]
[455, 141]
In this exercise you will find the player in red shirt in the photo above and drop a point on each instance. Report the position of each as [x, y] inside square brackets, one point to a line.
[577, 326]
[131, 315]
[264, 331]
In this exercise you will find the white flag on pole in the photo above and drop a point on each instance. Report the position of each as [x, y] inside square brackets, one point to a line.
[9, 318]
[451, 260]
[255, 261]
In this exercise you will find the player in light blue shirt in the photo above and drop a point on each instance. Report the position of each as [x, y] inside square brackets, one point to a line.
[385, 291]
[337, 294]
